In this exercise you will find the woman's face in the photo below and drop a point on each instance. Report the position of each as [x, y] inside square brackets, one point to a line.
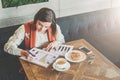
[42, 26]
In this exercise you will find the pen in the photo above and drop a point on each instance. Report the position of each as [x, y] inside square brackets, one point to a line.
[30, 53]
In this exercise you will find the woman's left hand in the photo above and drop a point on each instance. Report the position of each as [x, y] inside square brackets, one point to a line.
[52, 46]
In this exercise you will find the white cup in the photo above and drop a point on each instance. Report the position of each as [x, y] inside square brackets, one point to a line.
[61, 63]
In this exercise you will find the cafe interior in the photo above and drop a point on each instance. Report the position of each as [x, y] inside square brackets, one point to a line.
[91, 30]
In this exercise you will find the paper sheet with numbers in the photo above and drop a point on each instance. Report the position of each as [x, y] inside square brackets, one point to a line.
[45, 58]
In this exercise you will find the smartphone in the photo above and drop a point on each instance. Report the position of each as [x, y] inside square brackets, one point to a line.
[85, 50]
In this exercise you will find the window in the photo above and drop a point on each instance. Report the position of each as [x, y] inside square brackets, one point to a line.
[16, 3]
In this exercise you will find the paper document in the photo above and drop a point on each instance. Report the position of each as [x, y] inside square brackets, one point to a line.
[62, 49]
[42, 58]
[45, 58]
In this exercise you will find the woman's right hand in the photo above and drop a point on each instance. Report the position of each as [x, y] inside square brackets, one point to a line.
[26, 54]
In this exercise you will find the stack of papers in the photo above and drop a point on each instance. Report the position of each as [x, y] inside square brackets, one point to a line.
[45, 58]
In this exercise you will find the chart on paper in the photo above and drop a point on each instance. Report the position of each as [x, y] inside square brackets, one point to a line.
[45, 58]
[62, 49]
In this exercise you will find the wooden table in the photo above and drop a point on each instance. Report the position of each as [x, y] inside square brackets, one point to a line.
[100, 69]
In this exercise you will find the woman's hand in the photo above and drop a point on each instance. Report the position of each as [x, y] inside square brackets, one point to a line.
[26, 54]
[52, 46]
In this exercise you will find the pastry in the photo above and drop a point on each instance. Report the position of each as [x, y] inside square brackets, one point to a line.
[75, 55]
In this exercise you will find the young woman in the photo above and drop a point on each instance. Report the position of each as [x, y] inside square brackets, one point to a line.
[43, 29]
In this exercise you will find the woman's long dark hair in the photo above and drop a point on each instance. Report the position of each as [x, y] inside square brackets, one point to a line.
[46, 15]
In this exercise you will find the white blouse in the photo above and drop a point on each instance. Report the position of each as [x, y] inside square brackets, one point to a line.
[16, 39]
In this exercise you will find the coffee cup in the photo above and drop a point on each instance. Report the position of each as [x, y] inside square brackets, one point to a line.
[61, 63]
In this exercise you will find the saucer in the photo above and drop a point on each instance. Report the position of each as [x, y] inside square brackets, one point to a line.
[61, 69]
[82, 57]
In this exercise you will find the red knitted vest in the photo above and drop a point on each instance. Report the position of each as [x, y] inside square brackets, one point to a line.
[30, 35]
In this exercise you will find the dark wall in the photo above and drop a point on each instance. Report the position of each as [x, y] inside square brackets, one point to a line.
[100, 28]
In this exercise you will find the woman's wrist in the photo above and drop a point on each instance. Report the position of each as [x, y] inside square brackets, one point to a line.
[24, 53]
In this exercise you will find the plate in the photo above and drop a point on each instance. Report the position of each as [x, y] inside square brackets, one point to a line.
[82, 56]
[61, 69]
